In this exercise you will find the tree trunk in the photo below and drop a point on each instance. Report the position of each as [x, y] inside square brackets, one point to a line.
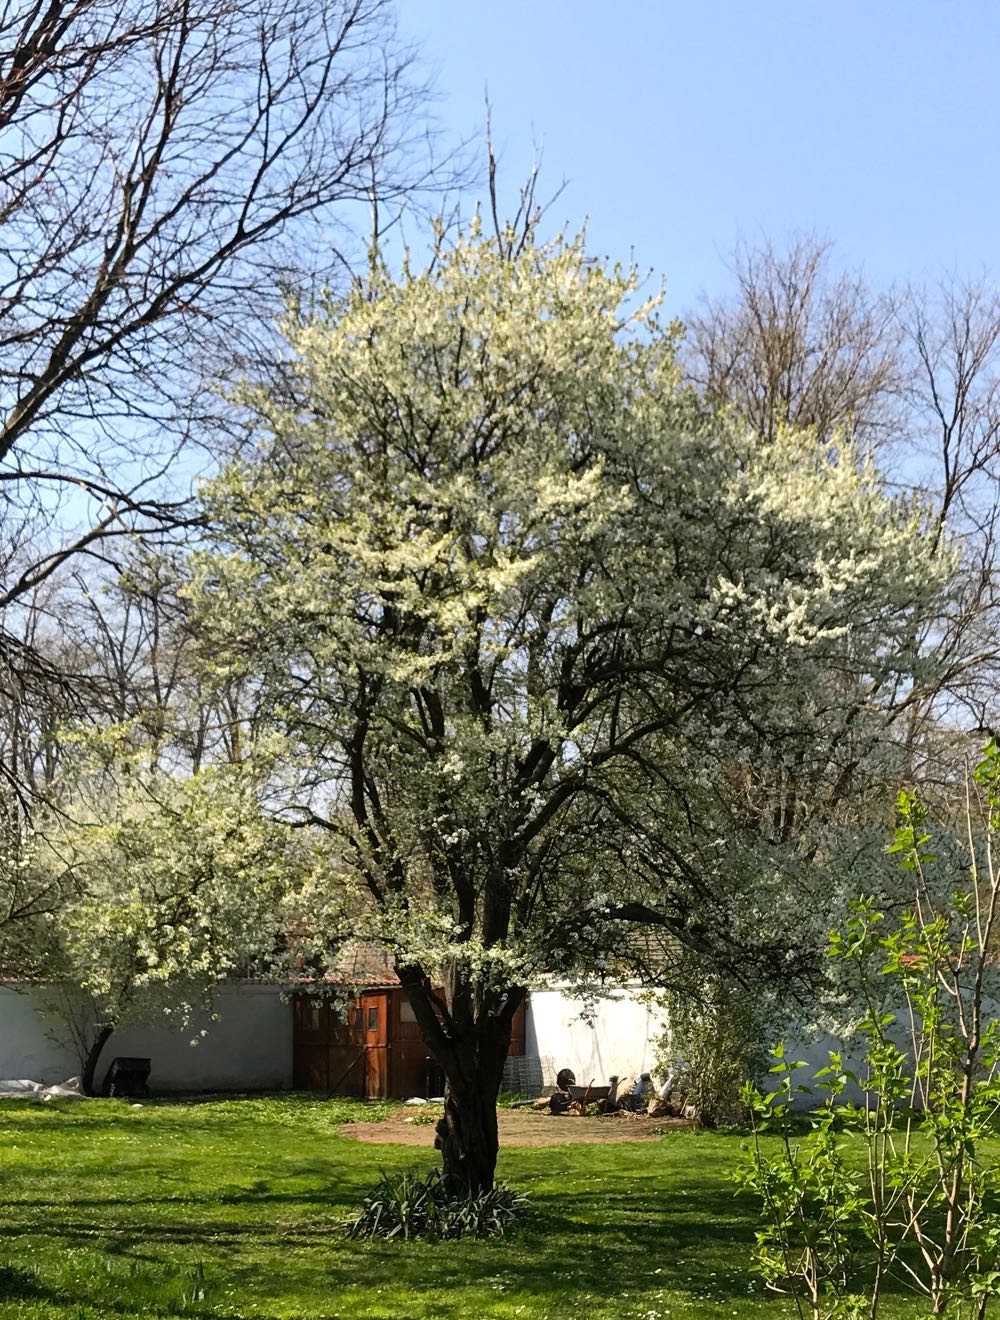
[93, 1059]
[467, 1134]
[470, 1039]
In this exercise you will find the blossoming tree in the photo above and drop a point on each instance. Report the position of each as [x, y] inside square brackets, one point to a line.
[508, 590]
[171, 882]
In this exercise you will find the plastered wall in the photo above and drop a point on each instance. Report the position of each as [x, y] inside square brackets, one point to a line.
[248, 1048]
[621, 1038]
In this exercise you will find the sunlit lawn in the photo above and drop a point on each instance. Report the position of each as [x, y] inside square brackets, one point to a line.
[236, 1209]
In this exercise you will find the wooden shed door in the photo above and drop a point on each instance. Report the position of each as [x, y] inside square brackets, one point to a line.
[375, 1029]
[327, 1053]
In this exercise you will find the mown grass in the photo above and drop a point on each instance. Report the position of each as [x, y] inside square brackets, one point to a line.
[235, 1209]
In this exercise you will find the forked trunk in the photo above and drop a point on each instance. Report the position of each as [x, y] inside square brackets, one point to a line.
[467, 1133]
[469, 1035]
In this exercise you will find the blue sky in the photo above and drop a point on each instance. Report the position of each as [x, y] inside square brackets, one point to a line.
[682, 127]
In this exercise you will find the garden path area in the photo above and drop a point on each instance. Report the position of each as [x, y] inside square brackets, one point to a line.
[413, 1126]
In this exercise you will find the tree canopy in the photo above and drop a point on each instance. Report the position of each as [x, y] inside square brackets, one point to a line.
[520, 603]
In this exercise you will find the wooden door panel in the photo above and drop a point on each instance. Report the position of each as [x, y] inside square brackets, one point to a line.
[375, 1031]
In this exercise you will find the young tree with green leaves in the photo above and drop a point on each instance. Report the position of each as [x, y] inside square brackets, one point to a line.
[915, 1205]
[518, 601]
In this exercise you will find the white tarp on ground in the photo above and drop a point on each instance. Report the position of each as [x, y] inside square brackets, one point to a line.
[22, 1089]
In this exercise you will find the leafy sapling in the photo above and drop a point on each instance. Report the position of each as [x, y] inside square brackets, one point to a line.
[913, 1200]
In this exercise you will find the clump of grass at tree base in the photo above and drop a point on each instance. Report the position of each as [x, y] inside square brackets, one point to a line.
[415, 1204]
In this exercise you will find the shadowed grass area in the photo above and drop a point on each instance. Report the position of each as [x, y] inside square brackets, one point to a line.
[235, 1208]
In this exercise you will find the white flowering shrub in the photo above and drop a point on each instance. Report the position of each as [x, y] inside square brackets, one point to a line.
[178, 882]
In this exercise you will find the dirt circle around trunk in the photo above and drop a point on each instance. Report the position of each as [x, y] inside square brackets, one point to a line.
[519, 1127]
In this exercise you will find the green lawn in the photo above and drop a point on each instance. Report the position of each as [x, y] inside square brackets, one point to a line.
[235, 1209]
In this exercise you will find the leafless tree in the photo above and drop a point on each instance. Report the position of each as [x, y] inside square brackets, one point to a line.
[953, 339]
[35, 699]
[797, 343]
[166, 168]
[144, 662]
[954, 336]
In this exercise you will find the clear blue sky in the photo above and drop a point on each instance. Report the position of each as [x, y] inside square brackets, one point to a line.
[682, 126]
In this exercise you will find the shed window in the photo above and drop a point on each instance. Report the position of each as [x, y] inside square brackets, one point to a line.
[373, 1019]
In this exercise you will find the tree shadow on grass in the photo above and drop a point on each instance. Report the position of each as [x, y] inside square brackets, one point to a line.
[111, 1124]
[20, 1285]
[567, 1244]
[624, 1223]
[121, 1238]
[568, 1249]
[339, 1195]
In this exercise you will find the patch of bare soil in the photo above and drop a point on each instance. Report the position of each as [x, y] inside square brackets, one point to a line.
[520, 1127]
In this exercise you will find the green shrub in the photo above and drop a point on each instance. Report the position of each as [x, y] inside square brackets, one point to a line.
[920, 1209]
[412, 1204]
[714, 1044]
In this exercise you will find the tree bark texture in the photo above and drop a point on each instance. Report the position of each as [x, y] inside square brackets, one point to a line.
[467, 1135]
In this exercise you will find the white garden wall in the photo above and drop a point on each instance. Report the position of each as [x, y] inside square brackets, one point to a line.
[620, 1037]
[26, 1049]
[249, 1048]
